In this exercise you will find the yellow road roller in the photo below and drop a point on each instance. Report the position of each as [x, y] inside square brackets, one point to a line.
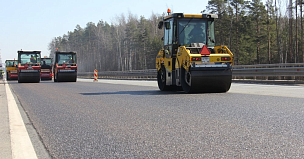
[189, 59]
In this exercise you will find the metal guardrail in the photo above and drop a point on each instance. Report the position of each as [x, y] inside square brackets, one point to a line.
[283, 71]
[290, 69]
[280, 73]
[135, 74]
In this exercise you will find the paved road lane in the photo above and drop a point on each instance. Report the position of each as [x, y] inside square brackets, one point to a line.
[132, 119]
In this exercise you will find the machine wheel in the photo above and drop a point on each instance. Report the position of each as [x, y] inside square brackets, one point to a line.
[37, 80]
[186, 80]
[7, 78]
[161, 79]
[226, 86]
[75, 79]
[59, 79]
[211, 84]
[19, 80]
[55, 77]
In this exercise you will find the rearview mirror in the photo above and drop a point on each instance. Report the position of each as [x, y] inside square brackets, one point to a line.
[160, 25]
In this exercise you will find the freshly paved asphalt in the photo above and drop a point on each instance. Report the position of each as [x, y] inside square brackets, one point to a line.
[133, 119]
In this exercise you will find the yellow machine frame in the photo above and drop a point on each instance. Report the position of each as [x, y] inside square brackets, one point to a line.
[218, 65]
[11, 70]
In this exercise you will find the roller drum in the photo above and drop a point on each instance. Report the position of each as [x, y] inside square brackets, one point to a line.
[66, 76]
[206, 80]
[28, 77]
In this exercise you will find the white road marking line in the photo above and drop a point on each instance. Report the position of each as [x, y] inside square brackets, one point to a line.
[22, 146]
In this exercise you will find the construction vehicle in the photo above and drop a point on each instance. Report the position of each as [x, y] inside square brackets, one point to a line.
[189, 59]
[11, 69]
[46, 68]
[1, 73]
[65, 67]
[29, 67]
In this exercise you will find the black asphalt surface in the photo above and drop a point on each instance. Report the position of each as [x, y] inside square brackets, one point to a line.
[100, 120]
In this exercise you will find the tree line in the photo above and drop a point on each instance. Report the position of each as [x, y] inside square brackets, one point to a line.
[129, 44]
[256, 33]
[260, 33]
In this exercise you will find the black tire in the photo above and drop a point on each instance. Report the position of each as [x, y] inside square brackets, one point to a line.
[19, 80]
[185, 80]
[72, 79]
[37, 80]
[59, 79]
[215, 84]
[75, 79]
[55, 77]
[226, 86]
[7, 78]
[161, 79]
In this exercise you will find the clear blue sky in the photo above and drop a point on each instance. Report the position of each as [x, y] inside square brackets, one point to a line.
[32, 24]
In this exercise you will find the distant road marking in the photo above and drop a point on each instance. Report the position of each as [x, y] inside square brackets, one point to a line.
[22, 146]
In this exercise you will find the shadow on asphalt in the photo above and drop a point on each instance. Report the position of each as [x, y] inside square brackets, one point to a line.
[42, 81]
[150, 92]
